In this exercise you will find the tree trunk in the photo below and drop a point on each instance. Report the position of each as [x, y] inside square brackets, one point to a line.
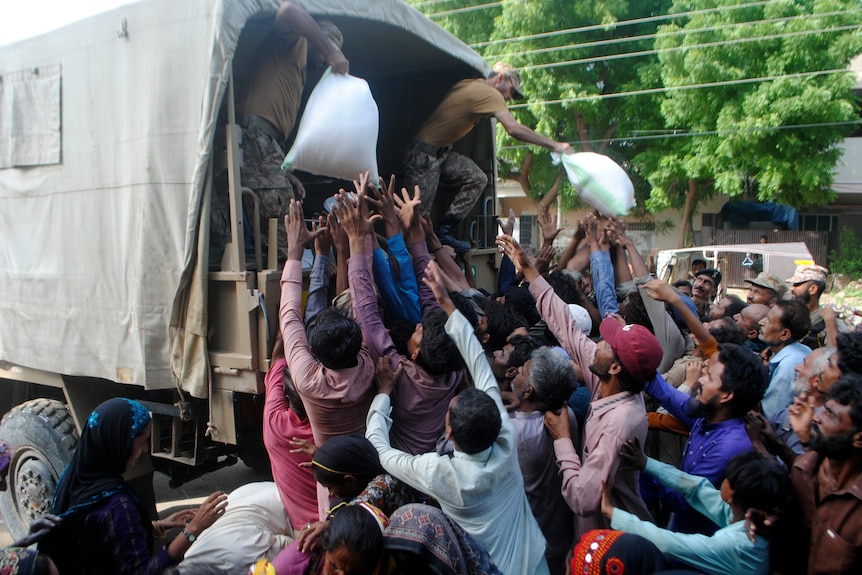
[524, 176]
[686, 236]
[544, 204]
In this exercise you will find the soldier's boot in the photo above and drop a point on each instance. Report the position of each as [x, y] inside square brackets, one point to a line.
[444, 233]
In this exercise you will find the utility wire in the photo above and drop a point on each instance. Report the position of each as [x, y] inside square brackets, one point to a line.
[633, 22]
[691, 47]
[685, 134]
[612, 41]
[681, 88]
[465, 9]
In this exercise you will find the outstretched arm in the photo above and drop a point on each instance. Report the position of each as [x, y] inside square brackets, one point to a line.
[525, 134]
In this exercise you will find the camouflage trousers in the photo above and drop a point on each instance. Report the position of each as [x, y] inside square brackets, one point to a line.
[429, 167]
[260, 170]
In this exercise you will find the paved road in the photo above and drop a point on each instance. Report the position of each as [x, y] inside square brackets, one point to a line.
[192, 493]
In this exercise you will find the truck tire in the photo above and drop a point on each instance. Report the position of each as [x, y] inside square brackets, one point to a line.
[43, 435]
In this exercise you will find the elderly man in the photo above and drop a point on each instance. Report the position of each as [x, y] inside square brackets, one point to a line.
[431, 160]
[827, 481]
[765, 289]
[782, 328]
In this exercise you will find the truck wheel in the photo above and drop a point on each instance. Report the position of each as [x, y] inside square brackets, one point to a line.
[43, 435]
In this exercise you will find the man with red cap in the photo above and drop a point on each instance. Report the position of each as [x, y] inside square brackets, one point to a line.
[618, 368]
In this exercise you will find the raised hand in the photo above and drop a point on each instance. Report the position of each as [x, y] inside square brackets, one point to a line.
[298, 235]
[516, 253]
[385, 206]
[323, 242]
[547, 226]
[408, 208]
[507, 228]
[435, 282]
[661, 291]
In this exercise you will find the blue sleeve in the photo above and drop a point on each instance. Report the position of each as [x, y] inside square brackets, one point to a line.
[385, 283]
[603, 282]
[318, 288]
[405, 280]
[507, 275]
[676, 402]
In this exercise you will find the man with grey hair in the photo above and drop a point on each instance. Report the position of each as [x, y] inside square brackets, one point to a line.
[268, 111]
[544, 383]
[431, 160]
[810, 375]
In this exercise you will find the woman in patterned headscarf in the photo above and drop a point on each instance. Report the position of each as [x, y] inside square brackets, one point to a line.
[102, 528]
[19, 561]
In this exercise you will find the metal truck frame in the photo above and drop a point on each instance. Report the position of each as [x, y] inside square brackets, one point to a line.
[113, 131]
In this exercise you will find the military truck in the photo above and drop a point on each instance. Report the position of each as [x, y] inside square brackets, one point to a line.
[113, 133]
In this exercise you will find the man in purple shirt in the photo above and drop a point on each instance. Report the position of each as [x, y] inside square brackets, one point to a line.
[732, 384]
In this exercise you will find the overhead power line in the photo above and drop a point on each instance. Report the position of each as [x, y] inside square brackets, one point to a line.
[686, 134]
[681, 88]
[633, 22]
[465, 9]
[689, 47]
[627, 39]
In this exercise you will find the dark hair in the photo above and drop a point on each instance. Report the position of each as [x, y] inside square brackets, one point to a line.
[350, 454]
[564, 286]
[335, 339]
[521, 301]
[821, 286]
[848, 391]
[400, 330]
[501, 322]
[850, 352]
[727, 331]
[757, 481]
[355, 528]
[636, 311]
[522, 348]
[795, 317]
[293, 396]
[437, 351]
[475, 421]
[627, 380]
[553, 379]
[465, 306]
[682, 283]
[744, 375]
[737, 305]
[698, 261]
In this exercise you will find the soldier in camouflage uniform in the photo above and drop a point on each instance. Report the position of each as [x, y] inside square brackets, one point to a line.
[267, 116]
[431, 160]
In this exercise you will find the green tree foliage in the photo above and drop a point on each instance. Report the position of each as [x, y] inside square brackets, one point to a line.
[768, 139]
[680, 138]
[848, 258]
[559, 68]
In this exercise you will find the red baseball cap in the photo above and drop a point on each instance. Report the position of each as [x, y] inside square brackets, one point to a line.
[638, 349]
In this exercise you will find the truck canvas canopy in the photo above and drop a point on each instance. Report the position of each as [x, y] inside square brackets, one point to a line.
[104, 238]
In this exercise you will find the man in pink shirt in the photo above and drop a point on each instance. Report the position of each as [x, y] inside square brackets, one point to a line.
[618, 368]
[332, 368]
[285, 420]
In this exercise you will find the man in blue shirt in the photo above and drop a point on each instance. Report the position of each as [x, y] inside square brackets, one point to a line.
[727, 390]
[782, 328]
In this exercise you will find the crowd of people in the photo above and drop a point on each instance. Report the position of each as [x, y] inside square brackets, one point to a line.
[585, 417]
[555, 426]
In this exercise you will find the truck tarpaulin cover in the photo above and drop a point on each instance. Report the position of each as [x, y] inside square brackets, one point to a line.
[98, 254]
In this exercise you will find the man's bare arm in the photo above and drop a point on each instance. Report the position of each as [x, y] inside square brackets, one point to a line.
[525, 134]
